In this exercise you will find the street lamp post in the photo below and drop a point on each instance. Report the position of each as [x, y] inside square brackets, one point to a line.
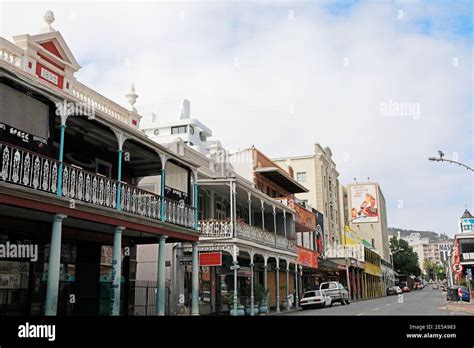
[442, 159]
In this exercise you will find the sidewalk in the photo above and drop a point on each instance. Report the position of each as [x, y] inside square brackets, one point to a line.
[283, 311]
[460, 306]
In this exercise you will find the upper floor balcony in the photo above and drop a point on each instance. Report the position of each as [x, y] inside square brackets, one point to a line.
[305, 220]
[41, 173]
[231, 208]
[221, 229]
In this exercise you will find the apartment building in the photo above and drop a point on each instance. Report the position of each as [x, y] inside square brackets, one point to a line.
[319, 175]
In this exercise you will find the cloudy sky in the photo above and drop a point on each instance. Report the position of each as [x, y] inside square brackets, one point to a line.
[384, 84]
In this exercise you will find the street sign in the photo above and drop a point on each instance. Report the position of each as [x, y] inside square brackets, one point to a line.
[185, 261]
[457, 267]
[234, 267]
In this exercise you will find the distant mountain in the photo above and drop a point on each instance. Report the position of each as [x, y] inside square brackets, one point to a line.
[433, 236]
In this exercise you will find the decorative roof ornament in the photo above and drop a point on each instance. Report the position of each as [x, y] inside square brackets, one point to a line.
[466, 215]
[48, 19]
[132, 97]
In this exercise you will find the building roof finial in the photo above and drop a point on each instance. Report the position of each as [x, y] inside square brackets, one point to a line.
[132, 97]
[49, 19]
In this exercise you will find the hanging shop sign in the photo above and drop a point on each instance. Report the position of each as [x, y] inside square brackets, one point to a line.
[307, 257]
[210, 259]
[22, 139]
[244, 272]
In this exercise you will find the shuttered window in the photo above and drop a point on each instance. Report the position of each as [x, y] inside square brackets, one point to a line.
[23, 112]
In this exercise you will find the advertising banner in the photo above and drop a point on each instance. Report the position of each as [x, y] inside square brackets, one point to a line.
[364, 203]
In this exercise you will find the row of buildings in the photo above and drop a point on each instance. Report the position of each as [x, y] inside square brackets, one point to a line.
[117, 212]
[437, 252]
[455, 255]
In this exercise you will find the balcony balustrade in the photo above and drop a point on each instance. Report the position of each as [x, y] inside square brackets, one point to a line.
[215, 229]
[15, 56]
[38, 172]
[218, 229]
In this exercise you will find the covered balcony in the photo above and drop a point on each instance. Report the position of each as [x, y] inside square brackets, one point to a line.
[231, 209]
[89, 158]
[305, 219]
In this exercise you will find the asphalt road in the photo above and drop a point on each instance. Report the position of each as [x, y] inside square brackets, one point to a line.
[420, 302]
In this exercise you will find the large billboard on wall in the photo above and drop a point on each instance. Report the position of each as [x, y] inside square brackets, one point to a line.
[364, 203]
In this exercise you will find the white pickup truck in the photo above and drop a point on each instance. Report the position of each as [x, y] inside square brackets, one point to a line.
[336, 291]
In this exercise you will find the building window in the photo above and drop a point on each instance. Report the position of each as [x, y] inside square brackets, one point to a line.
[156, 132]
[178, 130]
[191, 129]
[301, 176]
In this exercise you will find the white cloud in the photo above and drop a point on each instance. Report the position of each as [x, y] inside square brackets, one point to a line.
[293, 86]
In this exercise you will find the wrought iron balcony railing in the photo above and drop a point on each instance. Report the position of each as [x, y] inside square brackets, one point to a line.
[218, 229]
[38, 172]
[215, 229]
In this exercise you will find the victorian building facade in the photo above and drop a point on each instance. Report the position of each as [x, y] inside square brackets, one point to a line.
[71, 161]
[248, 222]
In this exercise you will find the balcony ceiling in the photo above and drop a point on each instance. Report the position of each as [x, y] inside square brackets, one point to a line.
[142, 161]
[282, 179]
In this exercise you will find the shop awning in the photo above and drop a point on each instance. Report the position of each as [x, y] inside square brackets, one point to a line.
[326, 265]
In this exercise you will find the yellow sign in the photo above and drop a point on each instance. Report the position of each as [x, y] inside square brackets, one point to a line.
[372, 269]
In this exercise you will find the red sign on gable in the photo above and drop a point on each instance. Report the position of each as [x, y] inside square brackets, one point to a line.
[210, 259]
[48, 75]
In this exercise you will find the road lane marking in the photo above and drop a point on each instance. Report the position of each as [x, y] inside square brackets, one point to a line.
[388, 305]
[360, 314]
[376, 309]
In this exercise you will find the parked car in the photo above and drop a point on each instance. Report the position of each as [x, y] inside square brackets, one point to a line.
[394, 290]
[315, 298]
[336, 291]
[435, 286]
[406, 289]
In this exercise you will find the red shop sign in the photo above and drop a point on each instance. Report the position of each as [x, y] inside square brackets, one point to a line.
[306, 257]
[210, 259]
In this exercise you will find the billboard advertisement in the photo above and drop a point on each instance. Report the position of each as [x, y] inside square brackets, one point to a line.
[364, 203]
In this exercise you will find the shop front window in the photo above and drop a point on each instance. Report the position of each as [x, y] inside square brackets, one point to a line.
[14, 287]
